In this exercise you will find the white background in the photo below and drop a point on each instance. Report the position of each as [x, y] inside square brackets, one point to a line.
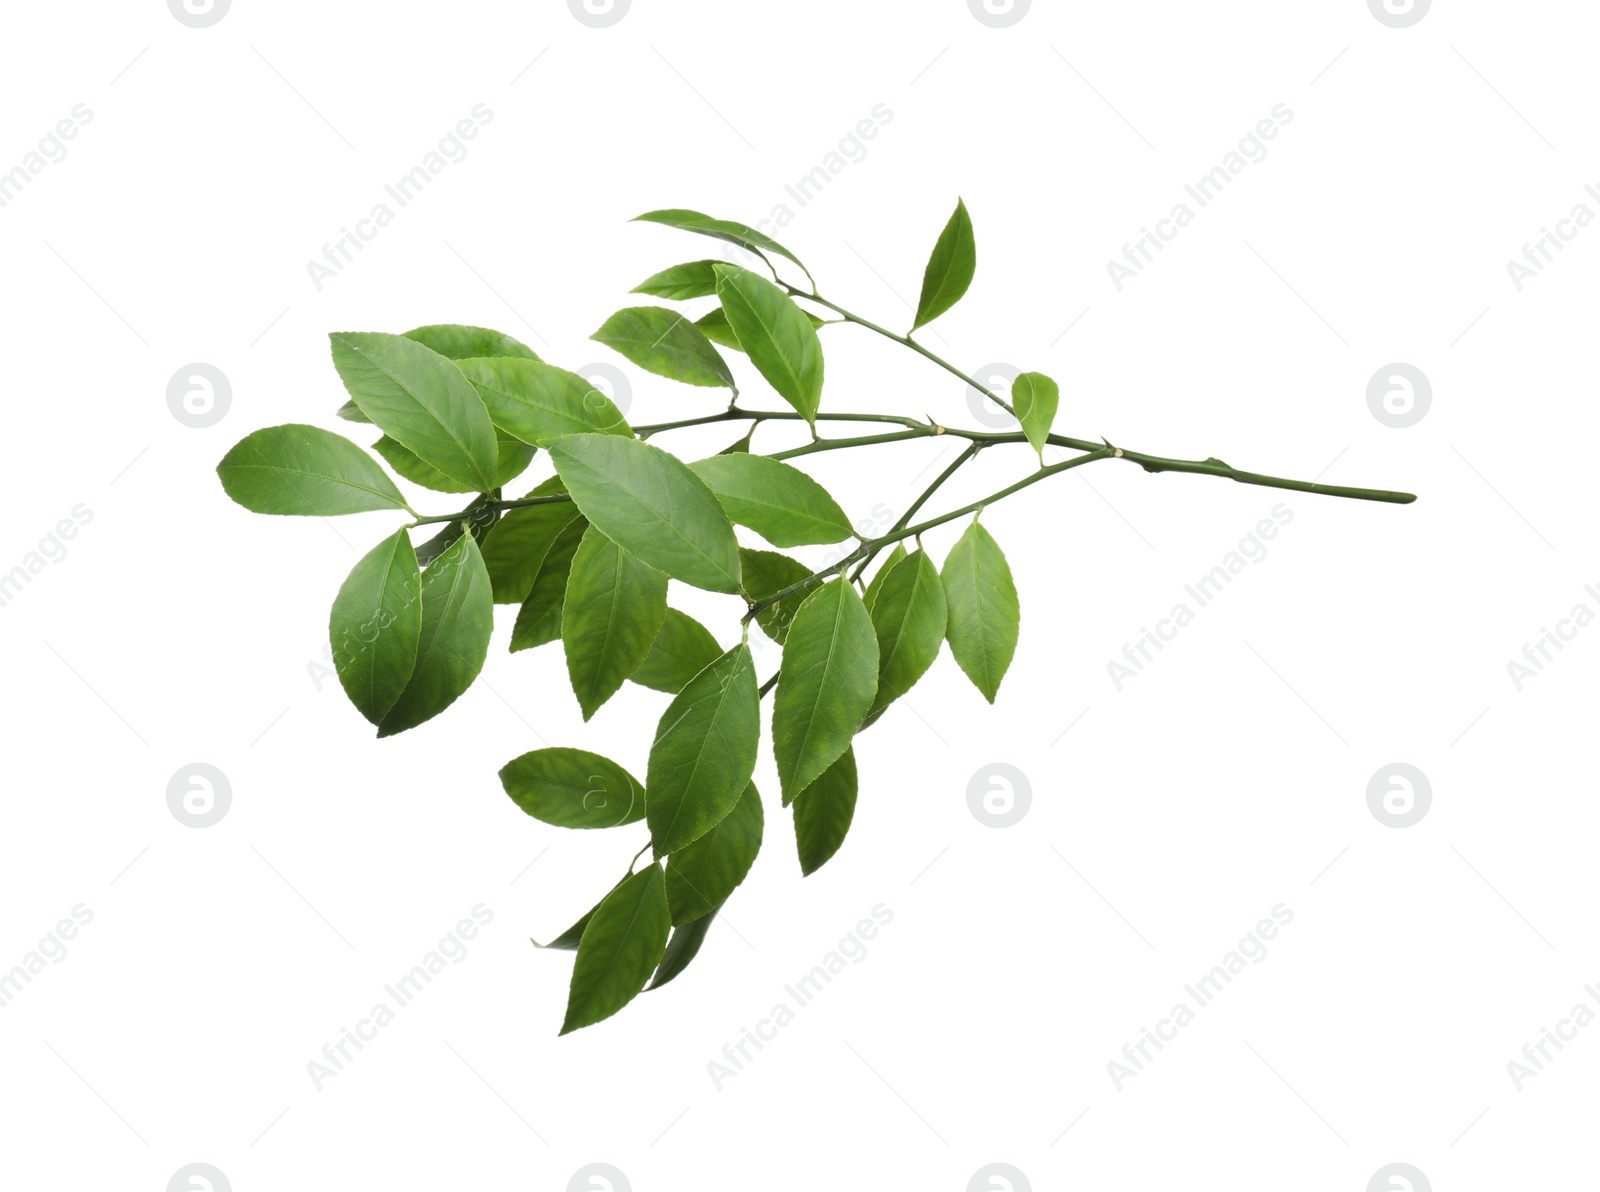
[1166, 818]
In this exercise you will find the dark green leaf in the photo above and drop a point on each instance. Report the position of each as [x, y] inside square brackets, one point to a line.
[694, 279]
[571, 788]
[704, 752]
[909, 619]
[422, 400]
[516, 547]
[766, 573]
[777, 336]
[662, 341]
[720, 229]
[569, 939]
[701, 876]
[539, 618]
[950, 268]
[457, 618]
[682, 948]
[829, 677]
[682, 649]
[871, 594]
[613, 610]
[621, 946]
[983, 611]
[779, 502]
[823, 811]
[375, 624]
[537, 402]
[714, 326]
[1035, 398]
[455, 341]
[305, 470]
[650, 504]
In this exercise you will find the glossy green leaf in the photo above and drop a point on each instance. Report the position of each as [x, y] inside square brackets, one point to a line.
[950, 268]
[662, 341]
[777, 336]
[539, 618]
[422, 400]
[766, 573]
[704, 752]
[612, 613]
[682, 948]
[652, 505]
[701, 876]
[682, 649]
[779, 502]
[1035, 397]
[823, 811]
[908, 617]
[829, 678]
[375, 625]
[516, 547]
[875, 586]
[693, 279]
[455, 341]
[984, 614]
[622, 944]
[714, 326]
[457, 619]
[537, 402]
[743, 235]
[305, 470]
[572, 788]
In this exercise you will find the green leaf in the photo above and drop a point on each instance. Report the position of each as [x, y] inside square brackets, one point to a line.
[612, 613]
[777, 336]
[422, 400]
[571, 788]
[743, 235]
[375, 624]
[457, 618]
[682, 948]
[876, 585]
[407, 464]
[662, 341]
[1035, 398]
[622, 944]
[829, 677]
[779, 502]
[823, 811]
[481, 517]
[351, 412]
[704, 752]
[950, 268]
[714, 326]
[516, 547]
[537, 402]
[909, 620]
[766, 573]
[650, 504]
[694, 279]
[701, 876]
[457, 342]
[682, 649]
[569, 939]
[305, 470]
[983, 611]
[539, 618]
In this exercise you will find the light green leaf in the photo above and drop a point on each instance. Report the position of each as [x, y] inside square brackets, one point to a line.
[650, 504]
[537, 402]
[694, 279]
[539, 618]
[612, 613]
[375, 624]
[662, 341]
[777, 336]
[1035, 397]
[457, 618]
[779, 502]
[682, 948]
[766, 573]
[701, 876]
[682, 649]
[572, 788]
[407, 464]
[714, 326]
[516, 547]
[420, 399]
[828, 680]
[984, 614]
[950, 268]
[621, 946]
[743, 235]
[876, 584]
[823, 811]
[908, 617]
[305, 470]
[704, 752]
[454, 341]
